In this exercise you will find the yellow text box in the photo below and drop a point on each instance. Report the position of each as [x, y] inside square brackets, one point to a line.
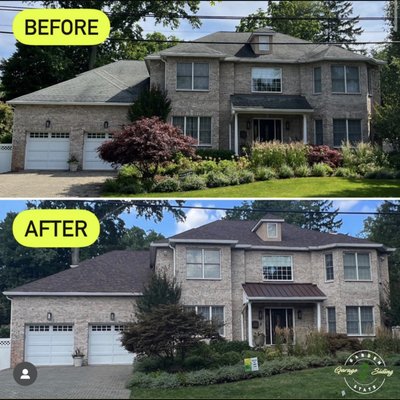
[61, 27]
[56, 228]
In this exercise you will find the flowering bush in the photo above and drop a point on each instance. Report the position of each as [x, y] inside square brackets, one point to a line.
[326, 155]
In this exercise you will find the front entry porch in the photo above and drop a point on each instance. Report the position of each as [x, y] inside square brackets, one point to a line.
[262, 118]
[288, 310]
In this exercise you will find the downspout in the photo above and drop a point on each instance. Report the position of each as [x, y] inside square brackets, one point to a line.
[174, 257]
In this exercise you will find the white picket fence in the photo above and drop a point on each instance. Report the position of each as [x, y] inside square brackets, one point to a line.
[5, 157]
[5, 352]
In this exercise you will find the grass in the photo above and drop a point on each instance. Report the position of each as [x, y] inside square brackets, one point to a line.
[319, 383]
[292, 188]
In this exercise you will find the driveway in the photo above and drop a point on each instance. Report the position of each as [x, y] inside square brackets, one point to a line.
[50, 184]
[100, 382]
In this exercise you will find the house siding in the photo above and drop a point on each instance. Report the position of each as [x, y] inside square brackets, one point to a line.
[79, 311]
[75, 120]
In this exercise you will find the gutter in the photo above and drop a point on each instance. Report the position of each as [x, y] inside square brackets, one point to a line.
[68, 294]
[64, 103]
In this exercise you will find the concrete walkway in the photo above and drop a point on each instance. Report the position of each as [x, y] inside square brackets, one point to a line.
[50, 184]
[94, 382]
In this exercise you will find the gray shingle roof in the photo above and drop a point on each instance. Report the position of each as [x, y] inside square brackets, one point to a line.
[118, 82]
[273, 101]
[114, 272]
[287, 49]
[281, 290]
[292, 235]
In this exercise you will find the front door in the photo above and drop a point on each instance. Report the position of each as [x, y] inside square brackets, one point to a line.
[267, 130]
[277, 318]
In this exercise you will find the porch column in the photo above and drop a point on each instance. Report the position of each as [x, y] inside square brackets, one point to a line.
[305, 138]
[249, 327]
[236, 133]
[319, 317]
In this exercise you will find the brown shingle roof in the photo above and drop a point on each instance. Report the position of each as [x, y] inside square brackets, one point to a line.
[292, 235]
[283, 290]
[114, 272]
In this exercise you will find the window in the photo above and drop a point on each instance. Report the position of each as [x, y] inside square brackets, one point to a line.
[317, 80]
[263, 43]
[329, 275]
[210, 313]
[272, 231]
[356, 266]
[192, 76]
[346, 130]
[360, 321]
[266, 79]
[277, 268]
[203, 264]
[198, 128]
[345, 79]
[331, 319]
[319, 132]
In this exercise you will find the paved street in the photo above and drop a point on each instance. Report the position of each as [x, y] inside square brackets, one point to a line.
[50, 184]
[100, 382]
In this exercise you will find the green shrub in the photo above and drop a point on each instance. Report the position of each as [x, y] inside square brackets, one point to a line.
[129, 171]
[317, 343]
[193, 182]
[4, 332]
[302, 171]
[264, 174]
[245, 176]
[342, 356]
[224, 346]
[364, 158]
[321, 169]
[196, 362]
[368, 344]
[149, 364]
[205, 166]
[217, 179]
[296, 154]
[232, 176]
[168, 184]
[343, 173]
[230, 358]
[215, 154]
[296, 350]
[125, 185]
[394, 160]
[380, 173]
[272, 353]
[340, 342]
[291, 363]
[285, 172]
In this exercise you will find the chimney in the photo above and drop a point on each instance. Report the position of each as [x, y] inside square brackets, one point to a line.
[74, 257]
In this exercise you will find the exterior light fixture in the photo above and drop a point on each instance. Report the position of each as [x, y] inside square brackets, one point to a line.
[260, 315]
[49, 316]
[248, 124]
[112, 316]
[48, 123]
[287, 125]
[105, 124]
[299, 314]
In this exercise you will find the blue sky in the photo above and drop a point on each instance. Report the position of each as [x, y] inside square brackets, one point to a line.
[352, 224]
[374, 30]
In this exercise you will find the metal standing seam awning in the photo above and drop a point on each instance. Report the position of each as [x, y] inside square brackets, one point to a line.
[267, 104]
[281, 292]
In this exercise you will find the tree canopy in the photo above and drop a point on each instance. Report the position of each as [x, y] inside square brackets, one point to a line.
[310, 214]
[317, 21]
[384, 228]
[6, 123]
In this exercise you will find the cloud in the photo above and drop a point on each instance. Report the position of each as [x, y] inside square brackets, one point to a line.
[346, 205]
[196, 217]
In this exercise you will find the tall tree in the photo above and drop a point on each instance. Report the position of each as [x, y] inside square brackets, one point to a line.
[286, 17]
[393, 21]
[339, 25]
[137, 238]
[6, 122]
[125, 16]
[317, 215]
[384, 228]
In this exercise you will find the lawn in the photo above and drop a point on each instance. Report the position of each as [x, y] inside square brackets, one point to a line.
[293, 188]
[319, 383]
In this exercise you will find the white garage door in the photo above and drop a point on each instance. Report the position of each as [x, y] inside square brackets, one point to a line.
[91, 159]
[47, 151]
[105, 345]
[49, 344]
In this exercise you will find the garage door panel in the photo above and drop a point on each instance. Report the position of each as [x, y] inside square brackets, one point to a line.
[49, 345]
[105, 346]
[91, 159]
[47, 151]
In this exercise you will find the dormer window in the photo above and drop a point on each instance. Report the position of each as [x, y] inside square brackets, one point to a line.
[272, 230]
[263, 43]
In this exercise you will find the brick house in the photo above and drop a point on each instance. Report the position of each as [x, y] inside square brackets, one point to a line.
[228, 89]
[251, 275]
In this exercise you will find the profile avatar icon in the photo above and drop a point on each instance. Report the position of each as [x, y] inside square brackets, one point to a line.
[25, 375]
